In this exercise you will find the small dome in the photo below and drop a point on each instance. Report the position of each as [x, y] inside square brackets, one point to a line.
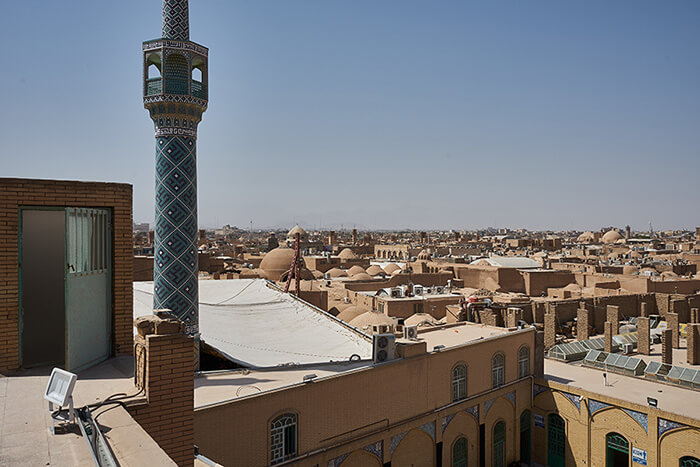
[247, 274]
[586, 237]
[356, 270]
[347, 253]
[397, 271]
[391, 267]
[337, 272]
[363, 276]
[296, 229]
[420, 320]
[425, 254]
[611, 236]
[277, 262]
[350, 313]
[371, 318]
[375, 270]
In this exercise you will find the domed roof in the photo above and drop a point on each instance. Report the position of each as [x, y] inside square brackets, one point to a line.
[371, 318]
[586, 237]
[296, 230]
[356, 270]
[375, 270]
[350, 313]
[276, 262]
[337, 272]
[420, 319]
[362, 276]
[347, 253]
[391, 267]
[397, 271]
[611, 236]
[247, 273]
[424, 255]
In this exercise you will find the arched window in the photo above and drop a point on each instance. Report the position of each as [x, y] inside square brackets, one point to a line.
[688, 461]
[176, 74]
[556, 441]
[617, 450]
[197, 74]
[459, 383]
[523, 361]
[283, 438]
[499, 444]
[498, 370]
[459, 453]
[525, 441]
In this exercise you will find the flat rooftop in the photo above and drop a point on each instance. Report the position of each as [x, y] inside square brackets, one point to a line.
[228, 385]
[674, 399]
[25, 438]
[258, 326]
[451, 336]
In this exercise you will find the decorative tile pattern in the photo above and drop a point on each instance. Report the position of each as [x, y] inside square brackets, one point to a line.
[487, 405]
[395, 440]
[377, 449]
[539, 390]
[176, 20]
[446, 421]
[335, 462]
[640, 417]
[429, 428]
[666, 425]
[594, 406]
[175, 272]
[511, 397]
[164, 43]
[574, 399]
[176, 99]
[474, 410]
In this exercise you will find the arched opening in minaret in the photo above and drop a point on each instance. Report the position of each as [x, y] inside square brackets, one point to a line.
[197, 75]
[153, 75]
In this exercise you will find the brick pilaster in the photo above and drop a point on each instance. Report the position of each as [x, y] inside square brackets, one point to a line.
[644, 337]
[666, 347]
[550, 330]
[608, 337]
[583, 318]
[613, 317]
[693, 344]
[672, 324]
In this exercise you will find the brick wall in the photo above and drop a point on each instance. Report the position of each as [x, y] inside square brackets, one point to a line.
[584, 317]
[644, 338]
[550, 330]
[169, 381]
[18, 193]
[672, 324]
[666, 347]
[693, 344]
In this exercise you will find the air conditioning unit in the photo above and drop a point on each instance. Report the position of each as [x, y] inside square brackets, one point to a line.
[383, 347]
[380, 329]
[627, 348]
[396, 292]
[427, 290]
[326, 276]
[417, 290]
[410, 332]
[346, 300]
[438, 289]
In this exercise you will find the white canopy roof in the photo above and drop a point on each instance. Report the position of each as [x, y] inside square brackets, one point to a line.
[258, 326]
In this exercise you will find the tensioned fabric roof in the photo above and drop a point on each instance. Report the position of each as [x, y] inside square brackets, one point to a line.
[257, 325]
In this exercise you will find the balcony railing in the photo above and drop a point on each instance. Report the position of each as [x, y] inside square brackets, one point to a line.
[154, 86]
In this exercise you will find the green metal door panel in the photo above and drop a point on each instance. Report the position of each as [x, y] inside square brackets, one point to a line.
[88, 314]
[556, 441]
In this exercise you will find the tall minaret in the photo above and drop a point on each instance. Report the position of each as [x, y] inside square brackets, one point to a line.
[175, 94]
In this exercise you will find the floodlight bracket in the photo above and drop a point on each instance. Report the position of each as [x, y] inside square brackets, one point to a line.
[64, 417]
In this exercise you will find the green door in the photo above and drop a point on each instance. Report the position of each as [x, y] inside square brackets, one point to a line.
[88, 300]
[556, 441]
[617, 451]
[525, 437]
[499, 445]
[688, 461]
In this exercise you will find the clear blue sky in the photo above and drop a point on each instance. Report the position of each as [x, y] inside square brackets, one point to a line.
[382, 114]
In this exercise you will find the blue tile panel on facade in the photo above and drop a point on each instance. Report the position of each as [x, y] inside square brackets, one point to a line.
[175, 271]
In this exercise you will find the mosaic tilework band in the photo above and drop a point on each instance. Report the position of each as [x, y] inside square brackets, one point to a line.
[175, 270]
[176, 20]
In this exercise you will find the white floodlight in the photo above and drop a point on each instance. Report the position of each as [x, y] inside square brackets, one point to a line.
[59, 391]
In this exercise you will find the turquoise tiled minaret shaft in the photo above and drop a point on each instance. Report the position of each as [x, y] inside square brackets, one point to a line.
[175, 95]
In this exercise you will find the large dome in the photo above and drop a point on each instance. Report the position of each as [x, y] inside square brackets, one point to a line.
[350, 313]
[337, 272]
[391, 267]
[611, 236]
[356, 270]
[586, 237]
[362, 276]
[296, 229]
[347, 253]
[371, 318]
[277, 262]
[375, 270]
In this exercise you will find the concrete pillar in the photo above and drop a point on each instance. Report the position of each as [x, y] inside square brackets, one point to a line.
[672, 324]
[693, 344]
[583, 318]
[550, 330]
[608, 334]
[666, 347]
[644, 337]
[644, 309]
[613, 317]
